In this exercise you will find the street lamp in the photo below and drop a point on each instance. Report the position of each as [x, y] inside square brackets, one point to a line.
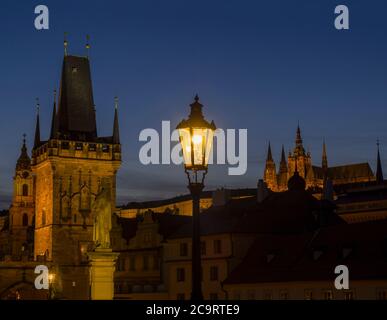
[51, 279]
[196, 137]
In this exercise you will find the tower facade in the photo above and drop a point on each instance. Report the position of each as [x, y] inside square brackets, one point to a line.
[299, 158]
[21, 212]
[69, 169]
[270, 175]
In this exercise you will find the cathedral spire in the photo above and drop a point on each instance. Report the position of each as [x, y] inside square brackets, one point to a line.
[299, 149]
[37, 127]
[298, 136]
[53, 120]
[324, 161]
[116, 131]
[283, 164]
[379, 171]
[283, 159]
[269, 155]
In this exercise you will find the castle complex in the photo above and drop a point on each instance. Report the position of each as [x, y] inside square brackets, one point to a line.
[315, 176]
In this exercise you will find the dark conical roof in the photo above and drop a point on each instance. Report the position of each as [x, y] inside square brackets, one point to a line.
[116, 129]
[269, 154]
[54, 120]
[24, 161]
[296, 182]
[379, 171]
[37, 130]
[76, 114]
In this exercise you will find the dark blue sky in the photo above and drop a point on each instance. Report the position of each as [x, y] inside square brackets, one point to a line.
[260, 65]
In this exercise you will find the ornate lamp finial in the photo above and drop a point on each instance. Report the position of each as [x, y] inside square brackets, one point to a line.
[87, 45]
[116, 102]
[37, 106]
[65, 43]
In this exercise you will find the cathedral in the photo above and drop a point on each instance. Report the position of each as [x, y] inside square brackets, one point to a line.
[315, 176]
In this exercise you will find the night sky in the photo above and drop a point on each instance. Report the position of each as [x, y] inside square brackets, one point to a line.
[260, 65]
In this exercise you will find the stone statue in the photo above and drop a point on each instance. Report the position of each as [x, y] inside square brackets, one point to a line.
[102, 213]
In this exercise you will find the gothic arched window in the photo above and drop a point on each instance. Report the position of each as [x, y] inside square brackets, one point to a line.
[43, 218]
[25, 190]
[25, 220]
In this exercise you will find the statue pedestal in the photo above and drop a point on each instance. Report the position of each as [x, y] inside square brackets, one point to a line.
[102, 267]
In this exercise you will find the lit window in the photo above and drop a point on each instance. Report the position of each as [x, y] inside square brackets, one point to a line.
[284, 295]
[25, 220]
[146, 262]
[25, 190]
[382, 294]
[308, 295]
[349, 295]
[132, 263]
[214, 273]
[180, 274]
[183, 249]
[328, 295]
[203, 248]
[217, 246]
[267, 295]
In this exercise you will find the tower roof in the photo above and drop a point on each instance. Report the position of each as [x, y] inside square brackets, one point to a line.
[379, 171]
[76, 114]
[269, 154]
[299, 148]
[116, 129]
[24, 161]
[37, 126]
[324, 161]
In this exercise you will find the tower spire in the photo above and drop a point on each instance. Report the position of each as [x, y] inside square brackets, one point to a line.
[298, 136]
[37, 127]
[283, 159]
[379, 171]
[269, 155]
[24, 161]
[299, 149]
[65, 43]
[324, 161]
[116, 131]
[53, 120]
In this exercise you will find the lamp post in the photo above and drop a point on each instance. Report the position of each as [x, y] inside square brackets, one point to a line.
[51, 279]
[196, 137]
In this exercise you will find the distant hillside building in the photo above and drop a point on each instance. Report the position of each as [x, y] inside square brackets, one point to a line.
[314, 176]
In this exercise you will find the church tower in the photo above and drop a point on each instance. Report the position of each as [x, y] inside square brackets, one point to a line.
[283, 172]
[22, 208]
[270, 174]
[304, 161]
[69, 169]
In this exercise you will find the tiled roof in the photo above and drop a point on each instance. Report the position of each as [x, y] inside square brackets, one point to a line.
[350, 171]
[313, 256]
[205, 195]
